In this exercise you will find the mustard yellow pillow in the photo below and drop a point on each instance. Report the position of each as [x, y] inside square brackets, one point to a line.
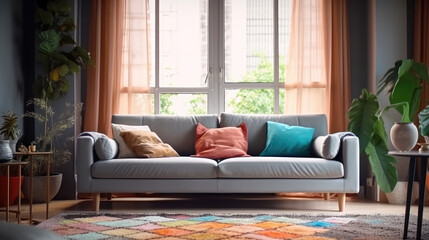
[147, 144]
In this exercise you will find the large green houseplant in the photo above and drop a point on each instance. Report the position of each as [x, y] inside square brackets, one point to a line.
[59, 57]
[404, 83]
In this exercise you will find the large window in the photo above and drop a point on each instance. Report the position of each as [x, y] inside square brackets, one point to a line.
[210, 56]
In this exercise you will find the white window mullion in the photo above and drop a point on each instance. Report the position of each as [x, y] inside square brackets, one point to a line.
[215, 22]
[276, 56]
[156, 89]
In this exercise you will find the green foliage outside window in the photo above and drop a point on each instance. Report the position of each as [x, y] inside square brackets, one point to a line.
[258, 100]
[244, 100]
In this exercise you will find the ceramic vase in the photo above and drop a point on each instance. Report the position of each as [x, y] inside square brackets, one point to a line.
[5, 151]
[404, 136]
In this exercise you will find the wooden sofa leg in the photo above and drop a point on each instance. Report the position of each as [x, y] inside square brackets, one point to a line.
[341, 201]
[96, 201]
[326, 196]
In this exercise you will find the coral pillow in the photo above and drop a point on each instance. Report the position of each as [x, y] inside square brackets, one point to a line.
[147, 144]
[221, 143]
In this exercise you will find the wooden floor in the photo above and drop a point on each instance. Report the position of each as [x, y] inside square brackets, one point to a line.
[226, 204]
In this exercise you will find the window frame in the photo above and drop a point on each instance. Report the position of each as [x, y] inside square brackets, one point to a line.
[216, 84]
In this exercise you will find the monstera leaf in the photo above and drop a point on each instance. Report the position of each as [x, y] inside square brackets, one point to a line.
[50, 41]
[366, 123]
[362, 116]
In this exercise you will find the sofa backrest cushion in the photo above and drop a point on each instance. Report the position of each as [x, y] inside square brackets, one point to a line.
[257, 126]
[177, 131]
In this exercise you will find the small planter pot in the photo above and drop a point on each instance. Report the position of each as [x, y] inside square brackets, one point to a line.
[39, 187]
[404, 136]
[13, 186]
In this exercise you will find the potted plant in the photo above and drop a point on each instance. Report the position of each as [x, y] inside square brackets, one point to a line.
[10, 133]
[54, 126]
[59, 57]
[9, 129]
[404, 84]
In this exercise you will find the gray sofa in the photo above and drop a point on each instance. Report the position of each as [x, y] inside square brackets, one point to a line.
[186, 174]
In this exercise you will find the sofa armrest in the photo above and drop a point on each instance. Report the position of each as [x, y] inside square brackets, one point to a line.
[350, 159]
[85, 157]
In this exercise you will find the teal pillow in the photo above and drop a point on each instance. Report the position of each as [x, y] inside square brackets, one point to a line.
[285, 140]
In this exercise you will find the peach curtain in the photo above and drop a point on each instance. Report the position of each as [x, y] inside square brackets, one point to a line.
[421, 41]
[317, 76]
[103, 80]
[136, 74]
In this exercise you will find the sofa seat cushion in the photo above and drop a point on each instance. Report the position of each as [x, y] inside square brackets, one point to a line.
[280, 167]
[172, 167]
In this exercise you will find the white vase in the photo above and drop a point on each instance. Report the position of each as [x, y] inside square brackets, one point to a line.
[404, 136]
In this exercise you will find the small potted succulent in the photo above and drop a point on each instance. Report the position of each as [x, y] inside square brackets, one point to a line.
[9, 129]
[10, 133]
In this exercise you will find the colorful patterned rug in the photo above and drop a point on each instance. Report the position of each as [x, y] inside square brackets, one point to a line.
[215, 226]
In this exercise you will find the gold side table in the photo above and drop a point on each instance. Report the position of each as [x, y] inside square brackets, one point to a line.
[8, 165]
[31, 155]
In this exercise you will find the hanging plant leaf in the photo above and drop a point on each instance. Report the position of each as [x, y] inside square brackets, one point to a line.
[67, 40]
[50, 41]
[73, 67]
[67, 25]
[45, 16]
[63, 70]
[61, 7]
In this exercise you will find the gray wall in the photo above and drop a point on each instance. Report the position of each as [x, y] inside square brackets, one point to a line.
[391, 45]
[11, 71]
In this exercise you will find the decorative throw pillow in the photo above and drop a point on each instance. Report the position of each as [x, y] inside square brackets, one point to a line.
[124, 150]
[106, 148]
[326, 146]
[147, 144]
[285, 140]
[221, 143]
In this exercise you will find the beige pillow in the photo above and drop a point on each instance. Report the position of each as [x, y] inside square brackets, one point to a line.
[124, 150]
[147, 144]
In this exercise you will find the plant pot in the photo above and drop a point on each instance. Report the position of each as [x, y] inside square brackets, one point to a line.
[399, 193]
[12, 145]
[39, 187]
[5, 151]
[404, 136]
[13, 192]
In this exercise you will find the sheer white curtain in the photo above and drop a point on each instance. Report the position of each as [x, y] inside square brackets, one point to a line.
[307, 73]
[136, 60]
[318, 75]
